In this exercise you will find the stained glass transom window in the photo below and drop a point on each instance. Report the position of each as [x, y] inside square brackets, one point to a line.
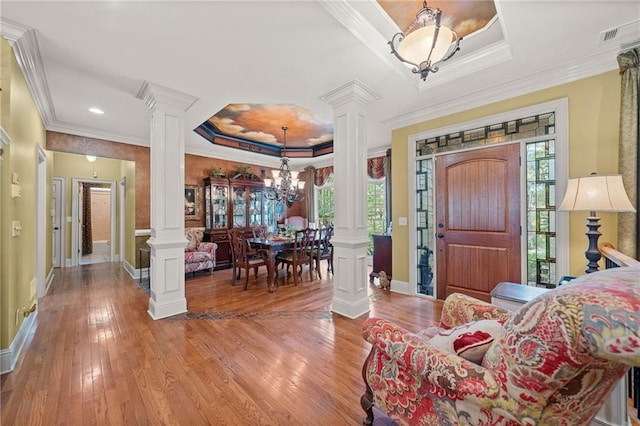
[522, 128]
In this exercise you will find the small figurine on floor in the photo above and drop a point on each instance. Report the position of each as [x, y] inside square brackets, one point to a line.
[385, 284]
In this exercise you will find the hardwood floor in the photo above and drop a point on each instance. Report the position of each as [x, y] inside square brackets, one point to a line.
[237, 358]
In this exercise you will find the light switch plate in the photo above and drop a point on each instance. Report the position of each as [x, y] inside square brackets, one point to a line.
[15, 178]
[402, 221]
[16, 228]
[16, 191]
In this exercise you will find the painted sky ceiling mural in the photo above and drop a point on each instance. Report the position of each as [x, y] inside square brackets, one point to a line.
[258, 128]
[463, 16]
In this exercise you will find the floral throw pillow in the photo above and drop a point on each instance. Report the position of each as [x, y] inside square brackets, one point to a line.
[469, 341]
[192, 241]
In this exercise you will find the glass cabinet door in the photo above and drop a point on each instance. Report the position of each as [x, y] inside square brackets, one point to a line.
[271, 215]
[219, 203]
[239, 207]
[207, 206]
[256, 200]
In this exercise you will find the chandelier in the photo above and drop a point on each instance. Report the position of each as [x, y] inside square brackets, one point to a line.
[284, 186]
[423, 48]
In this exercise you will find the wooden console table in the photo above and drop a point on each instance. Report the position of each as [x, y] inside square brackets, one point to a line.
[381, 256]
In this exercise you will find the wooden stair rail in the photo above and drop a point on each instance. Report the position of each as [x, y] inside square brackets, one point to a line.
[615, 259]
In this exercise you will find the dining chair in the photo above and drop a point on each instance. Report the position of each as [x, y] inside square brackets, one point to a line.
[302, 253]
[324, 249]
[259, 231]
[242, 257]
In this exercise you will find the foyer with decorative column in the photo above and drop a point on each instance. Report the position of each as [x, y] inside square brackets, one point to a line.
[167, 242]
[350, 241]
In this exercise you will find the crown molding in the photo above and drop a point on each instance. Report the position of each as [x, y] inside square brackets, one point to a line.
[91, 132]
[25, 46]
[540, 80]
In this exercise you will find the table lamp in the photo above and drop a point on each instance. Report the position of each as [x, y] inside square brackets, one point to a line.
[604, 193]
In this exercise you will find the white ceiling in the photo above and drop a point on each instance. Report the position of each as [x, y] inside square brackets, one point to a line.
[90, 53]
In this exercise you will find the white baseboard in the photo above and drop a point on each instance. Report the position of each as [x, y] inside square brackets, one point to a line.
[133, 272]
[9, 357]
[48, 281]
[401, 287]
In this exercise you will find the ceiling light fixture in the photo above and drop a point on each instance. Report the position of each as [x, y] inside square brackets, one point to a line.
[92, 159]
[96, 110]
[423, 48]
[285, 185]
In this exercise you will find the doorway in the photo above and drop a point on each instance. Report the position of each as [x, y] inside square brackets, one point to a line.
[94, 219]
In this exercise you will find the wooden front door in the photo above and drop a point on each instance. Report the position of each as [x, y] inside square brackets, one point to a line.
[478, 220]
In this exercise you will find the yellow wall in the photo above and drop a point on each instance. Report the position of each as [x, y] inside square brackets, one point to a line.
[594, 109]
[21, 121]
[72, 166]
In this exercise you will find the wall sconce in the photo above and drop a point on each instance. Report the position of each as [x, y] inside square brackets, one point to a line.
[92, 159]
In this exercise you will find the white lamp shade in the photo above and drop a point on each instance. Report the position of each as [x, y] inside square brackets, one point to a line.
[301, 184]
[91, 158]
[294, 174]
[603, 193]
[267, 182]
[416, 46]
[278, 180]
[275, 173]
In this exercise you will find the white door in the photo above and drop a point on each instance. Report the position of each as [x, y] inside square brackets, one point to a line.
[79, 223]
[57, 221]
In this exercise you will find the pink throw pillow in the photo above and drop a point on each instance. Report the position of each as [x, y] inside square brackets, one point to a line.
[469, 341]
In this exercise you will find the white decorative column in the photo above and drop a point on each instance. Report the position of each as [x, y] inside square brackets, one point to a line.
[167, 240]
[350, 241]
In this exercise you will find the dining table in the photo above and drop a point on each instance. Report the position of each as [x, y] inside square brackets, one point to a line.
[271, 246]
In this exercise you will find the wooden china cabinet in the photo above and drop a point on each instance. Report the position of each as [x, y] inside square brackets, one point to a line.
[238, 202]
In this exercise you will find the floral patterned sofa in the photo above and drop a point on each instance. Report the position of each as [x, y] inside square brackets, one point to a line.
[198, 256]
[553, 362]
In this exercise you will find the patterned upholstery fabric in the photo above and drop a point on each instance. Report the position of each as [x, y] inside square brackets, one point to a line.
[198, 256]
[554, 363]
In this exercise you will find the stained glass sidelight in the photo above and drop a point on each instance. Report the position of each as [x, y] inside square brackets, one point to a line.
[425, 234]
[541, 213]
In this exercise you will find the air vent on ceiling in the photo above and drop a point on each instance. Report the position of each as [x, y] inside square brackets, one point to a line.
[621, 32]
[609, 35]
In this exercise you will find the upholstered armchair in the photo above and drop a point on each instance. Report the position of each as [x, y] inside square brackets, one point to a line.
[553, 362]
[198, 256]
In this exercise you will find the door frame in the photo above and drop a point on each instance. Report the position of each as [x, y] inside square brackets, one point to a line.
[560, 108]
[41, 222]
[75, 186]
[62, 219]
[121, 217]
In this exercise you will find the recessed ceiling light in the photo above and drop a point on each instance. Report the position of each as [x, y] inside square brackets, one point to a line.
[96, 110]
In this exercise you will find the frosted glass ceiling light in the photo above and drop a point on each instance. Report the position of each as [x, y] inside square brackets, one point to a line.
[422, 48]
